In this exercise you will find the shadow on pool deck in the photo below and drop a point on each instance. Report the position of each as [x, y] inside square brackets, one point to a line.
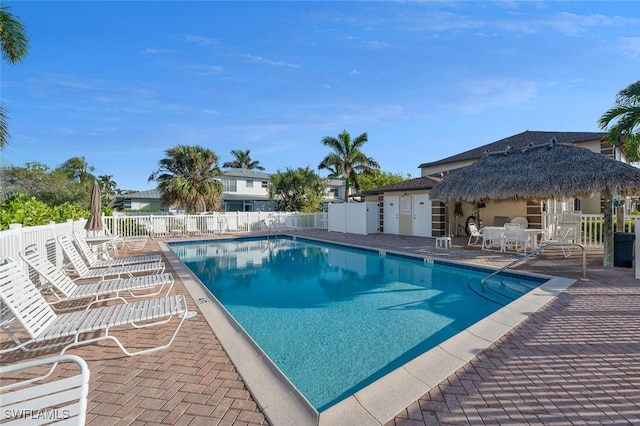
[574, 361]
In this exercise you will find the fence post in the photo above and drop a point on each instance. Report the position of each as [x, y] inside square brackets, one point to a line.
[19, 241]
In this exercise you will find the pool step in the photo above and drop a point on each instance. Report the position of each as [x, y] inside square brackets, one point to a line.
[500, 290]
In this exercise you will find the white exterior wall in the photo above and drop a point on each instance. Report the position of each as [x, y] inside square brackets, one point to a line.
[242, 189]
[354, 218]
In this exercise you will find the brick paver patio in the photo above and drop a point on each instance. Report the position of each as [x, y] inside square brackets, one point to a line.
[575, 361]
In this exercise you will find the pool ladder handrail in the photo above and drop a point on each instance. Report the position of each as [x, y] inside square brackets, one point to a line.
[538, 250]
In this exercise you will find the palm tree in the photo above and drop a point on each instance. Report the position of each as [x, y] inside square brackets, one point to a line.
[626, 130]
[14, 44]
[187, 177]
[242, 161]
[347, 161]
[108, 186]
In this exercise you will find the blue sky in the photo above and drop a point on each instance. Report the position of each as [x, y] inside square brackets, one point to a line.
[121, 82]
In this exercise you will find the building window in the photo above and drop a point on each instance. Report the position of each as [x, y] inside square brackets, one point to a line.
[229, 185]
[249, 184]
[127, 204]
[265, 184]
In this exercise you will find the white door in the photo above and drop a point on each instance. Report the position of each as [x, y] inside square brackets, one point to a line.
[421, 216]
[391, 215]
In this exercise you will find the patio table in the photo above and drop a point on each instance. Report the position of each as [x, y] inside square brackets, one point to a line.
[530, 232]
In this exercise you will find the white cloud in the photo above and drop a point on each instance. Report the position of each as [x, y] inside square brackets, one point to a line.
[629, 46]
[475, 96]
[200, 40]
[261, 60]
[154, 51]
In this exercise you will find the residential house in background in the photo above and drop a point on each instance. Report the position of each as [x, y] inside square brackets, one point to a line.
[244, 191]
[143, 200]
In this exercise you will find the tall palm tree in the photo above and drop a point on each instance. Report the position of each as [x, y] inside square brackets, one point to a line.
[625, 132]
[14, 44]
[347, 161]
[187, 177]
[108, 186]
[242, 161]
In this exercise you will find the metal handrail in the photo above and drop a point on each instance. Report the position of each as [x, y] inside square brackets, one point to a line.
[538, 250]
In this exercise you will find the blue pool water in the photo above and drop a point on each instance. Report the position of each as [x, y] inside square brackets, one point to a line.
[335, 319]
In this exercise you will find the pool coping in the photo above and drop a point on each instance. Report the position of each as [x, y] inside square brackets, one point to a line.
[283, 404]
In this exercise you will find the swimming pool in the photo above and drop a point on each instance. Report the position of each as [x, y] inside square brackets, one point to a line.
[336, 319]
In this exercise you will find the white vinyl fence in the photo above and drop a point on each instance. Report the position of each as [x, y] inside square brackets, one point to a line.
[17, 238]
[13, 240]
[591, 228]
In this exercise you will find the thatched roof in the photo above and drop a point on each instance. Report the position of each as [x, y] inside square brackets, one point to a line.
[548, 171]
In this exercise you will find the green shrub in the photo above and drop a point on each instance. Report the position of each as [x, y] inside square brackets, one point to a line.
[28, 211]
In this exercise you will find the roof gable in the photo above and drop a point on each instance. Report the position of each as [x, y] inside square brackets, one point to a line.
[518, 141]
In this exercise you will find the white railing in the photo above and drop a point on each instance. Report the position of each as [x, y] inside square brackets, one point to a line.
[215, 223]
[17, 238]
[591, 229]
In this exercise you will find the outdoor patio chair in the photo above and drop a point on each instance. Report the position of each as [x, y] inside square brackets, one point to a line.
[227, 226]
[474, 232]
[521, 220]
[133, 242]
[192, 227]
[64, 289]
[46, 329]
[214, 225]
[94, 262]
[37, 399]
[515, 239]
[563, 235]
[159, 227]
[492, 239]
[82, 271]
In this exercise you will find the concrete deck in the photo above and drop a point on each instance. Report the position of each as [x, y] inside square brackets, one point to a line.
[574, 361]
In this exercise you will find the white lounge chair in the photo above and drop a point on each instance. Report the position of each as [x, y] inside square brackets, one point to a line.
[83, 271]
[192, 227]
[159, 227]
[62, 287]
[38, 401]
[214, 225]
[94, 262]
[230, 224]
[474, 232]
[133, 242]
[42, 325]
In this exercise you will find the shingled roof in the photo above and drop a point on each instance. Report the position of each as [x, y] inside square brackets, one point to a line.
[425, 182]
[519, 141]
[547, 171]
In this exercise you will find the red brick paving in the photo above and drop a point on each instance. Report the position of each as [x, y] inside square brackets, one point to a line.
[576, 361]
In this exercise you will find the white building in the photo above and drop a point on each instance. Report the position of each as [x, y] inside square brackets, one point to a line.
[244, 190]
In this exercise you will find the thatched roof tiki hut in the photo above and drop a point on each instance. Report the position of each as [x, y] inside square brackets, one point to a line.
[542, 172]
